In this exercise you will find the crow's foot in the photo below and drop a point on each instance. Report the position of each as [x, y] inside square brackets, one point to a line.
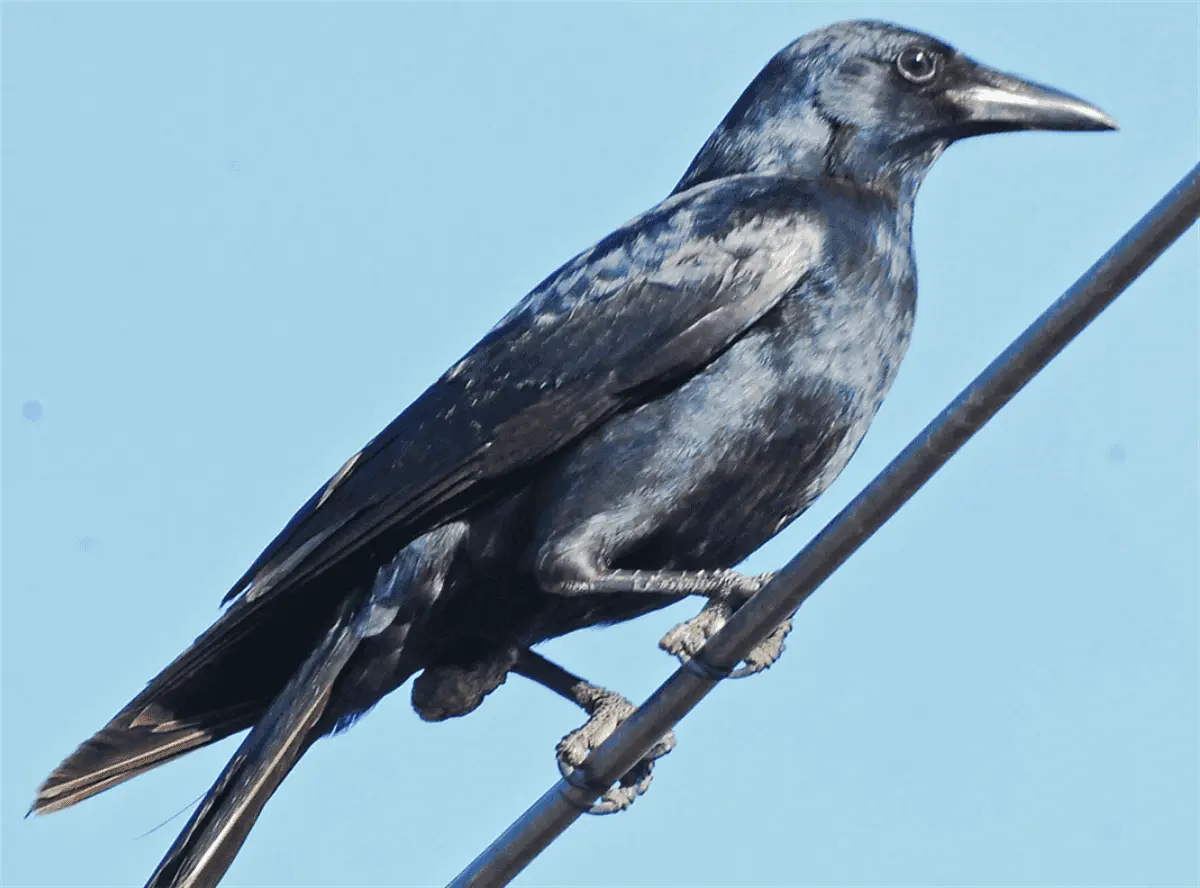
[686, 639]
[607, 710]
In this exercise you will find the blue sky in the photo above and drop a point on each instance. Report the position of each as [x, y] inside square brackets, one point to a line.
[238, 239]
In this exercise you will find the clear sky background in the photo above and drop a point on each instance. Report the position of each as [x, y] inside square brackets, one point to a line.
[238, 239]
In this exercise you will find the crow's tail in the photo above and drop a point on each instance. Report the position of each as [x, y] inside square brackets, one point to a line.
[222, 684]
[294, 720]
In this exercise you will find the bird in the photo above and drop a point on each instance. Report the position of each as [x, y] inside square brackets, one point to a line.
[643, 420]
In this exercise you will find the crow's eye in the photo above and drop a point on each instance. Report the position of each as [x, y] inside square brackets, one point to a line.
[917, 65]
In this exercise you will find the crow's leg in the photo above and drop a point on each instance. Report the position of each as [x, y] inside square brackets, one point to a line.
[607, 710]
[712, 584]
[726, 591]
[577, 557]
[568, 566]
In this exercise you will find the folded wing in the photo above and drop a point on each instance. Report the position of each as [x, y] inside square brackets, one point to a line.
[637, 314]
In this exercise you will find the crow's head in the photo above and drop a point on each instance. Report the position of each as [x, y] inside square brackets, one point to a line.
[875, 104]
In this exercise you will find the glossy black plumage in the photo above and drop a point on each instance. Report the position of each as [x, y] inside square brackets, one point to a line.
[641, 422]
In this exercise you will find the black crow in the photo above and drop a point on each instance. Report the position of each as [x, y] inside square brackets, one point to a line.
[647, 417]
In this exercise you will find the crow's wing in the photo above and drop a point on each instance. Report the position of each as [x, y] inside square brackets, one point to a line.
[632, 317]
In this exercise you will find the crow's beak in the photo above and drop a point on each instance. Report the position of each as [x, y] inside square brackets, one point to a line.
[990, 101]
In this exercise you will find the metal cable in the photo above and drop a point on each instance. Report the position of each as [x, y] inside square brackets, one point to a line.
[562, 804]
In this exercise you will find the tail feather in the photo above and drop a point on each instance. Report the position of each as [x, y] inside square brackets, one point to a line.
[206, 847]
[219, 686]
[120, 752]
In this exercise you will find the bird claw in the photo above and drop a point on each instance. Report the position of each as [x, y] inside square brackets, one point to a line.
[607, 711]
[686, 639]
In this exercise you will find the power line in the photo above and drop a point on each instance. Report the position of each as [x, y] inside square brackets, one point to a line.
[563, 803]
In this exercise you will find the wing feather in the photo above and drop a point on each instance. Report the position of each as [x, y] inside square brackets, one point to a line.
[644, 309]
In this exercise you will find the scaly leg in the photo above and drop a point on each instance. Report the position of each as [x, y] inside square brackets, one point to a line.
[570, 566]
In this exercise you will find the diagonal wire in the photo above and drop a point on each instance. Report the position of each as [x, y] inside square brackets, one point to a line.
[563, 803]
